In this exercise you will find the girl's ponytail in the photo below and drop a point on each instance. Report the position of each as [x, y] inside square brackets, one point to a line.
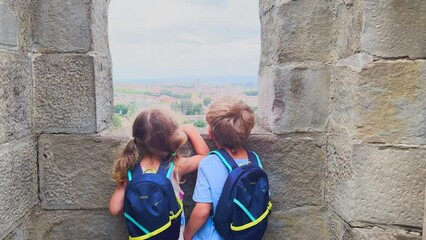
[128, 158]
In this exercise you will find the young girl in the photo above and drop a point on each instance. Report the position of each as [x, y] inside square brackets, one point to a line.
[156, 138]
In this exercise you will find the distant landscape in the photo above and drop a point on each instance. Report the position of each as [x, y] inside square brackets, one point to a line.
[189, 99]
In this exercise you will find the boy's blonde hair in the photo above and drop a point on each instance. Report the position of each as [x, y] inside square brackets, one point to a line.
[231, 121]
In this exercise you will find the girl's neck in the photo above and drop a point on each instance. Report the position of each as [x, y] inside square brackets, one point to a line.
[150, 161]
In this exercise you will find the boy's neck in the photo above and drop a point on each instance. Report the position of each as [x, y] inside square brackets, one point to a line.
[237, 153]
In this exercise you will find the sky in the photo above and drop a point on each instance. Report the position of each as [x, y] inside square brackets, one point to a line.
[194, 39]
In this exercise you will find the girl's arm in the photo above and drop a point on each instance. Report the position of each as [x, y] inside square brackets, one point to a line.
[116, 204]
[200, 147]
[198, 217]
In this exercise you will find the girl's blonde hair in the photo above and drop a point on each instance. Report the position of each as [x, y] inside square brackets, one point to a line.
[231, 121]
[154, 132]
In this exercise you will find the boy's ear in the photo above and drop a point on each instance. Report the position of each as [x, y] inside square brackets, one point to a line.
[211, 135]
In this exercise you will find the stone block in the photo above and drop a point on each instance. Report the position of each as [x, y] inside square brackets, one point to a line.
[15, 94]
[99, 25]
[394, 28]
[378, 233]
[371, 183]
[75, 170]
[25, 230]
[70, 225]
[294, 98]
[22, 35]
[62, 25]
[18, 181]
[295, 165]
[64, 93]
[347, 28]
[295, 31]
[379, 101]
[9, 27]
[104, 92]
[300, 223]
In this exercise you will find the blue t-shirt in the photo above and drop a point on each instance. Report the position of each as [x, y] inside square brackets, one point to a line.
[212, 175]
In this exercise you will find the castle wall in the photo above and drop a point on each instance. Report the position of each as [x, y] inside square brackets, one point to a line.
[341, 95]
[355, 72]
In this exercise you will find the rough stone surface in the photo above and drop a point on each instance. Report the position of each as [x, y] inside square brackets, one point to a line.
[62, 25]
[9, 27]
[395, 28]
[15, 93]
[75, 170]
[18, 181]
[297, 224]
[64, 93]
[104, 93]
[294, 98]
[378, 233]
[295, 31]
[347, 28]
[22, 11]
[369, 183]
[70, 225]
[99, 26]
[24, 230]
[379, 101]
[424, 220]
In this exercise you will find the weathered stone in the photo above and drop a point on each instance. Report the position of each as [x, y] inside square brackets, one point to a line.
[295, 31]
[75, 170]
[378, 233]
[9, 27]
[18, 181]
[104, 93]
[99, 26]
[381, 101]
[299, 223]
[64, 225]
[15, 94]
[64, 93]
[24, 230]
[62, 25]
[295, 165]
[22, 11]
[375, 183]
[347, 28]
[424, 220]
[337, 228]
[395, 28]
[294, 98]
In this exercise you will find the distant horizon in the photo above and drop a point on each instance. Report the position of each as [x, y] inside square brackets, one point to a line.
[190, 80]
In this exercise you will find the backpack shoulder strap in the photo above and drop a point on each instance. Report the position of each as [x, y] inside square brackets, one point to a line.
[254, 159]
[137, 170]
[225, 158]
[166, 168]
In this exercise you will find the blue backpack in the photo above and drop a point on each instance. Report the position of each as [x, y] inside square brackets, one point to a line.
[151, 209]
[243, 207]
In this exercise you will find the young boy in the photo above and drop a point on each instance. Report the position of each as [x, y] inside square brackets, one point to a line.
[230, 123]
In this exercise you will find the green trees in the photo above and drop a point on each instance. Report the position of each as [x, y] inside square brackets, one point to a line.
[187, 107]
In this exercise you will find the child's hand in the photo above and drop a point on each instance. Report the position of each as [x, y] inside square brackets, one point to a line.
[188, 128]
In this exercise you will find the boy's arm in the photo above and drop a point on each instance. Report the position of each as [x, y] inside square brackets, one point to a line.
[198, 217]
[200, 147]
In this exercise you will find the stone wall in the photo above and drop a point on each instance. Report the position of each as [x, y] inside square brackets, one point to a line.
[354, 71]
[55, 77]
[341, 95]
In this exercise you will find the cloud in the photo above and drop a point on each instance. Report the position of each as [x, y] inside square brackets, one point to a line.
[187, 38]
